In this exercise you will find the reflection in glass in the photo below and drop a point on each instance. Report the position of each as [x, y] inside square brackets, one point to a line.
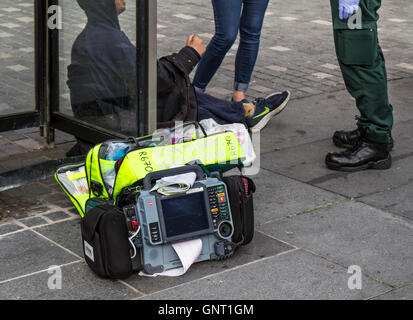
[102, 74]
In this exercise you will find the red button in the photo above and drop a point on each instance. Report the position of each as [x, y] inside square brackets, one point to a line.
[222, 199]
[134, 225]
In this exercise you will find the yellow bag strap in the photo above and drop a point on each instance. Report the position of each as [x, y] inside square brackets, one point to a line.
[77, 176]
[94, 174]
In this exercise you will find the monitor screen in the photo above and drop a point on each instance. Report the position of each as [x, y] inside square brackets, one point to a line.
[185, 214]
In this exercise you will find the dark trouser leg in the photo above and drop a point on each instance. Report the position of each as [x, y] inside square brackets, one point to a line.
[222, 111]
[364, 72]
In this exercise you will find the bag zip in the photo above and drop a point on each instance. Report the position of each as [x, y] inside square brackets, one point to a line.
[110, 195]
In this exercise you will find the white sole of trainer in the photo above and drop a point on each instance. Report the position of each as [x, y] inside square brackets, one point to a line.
[260, 125]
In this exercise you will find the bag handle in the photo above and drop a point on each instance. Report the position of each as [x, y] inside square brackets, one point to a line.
[197, 125]
[134, 140]
[147, 182]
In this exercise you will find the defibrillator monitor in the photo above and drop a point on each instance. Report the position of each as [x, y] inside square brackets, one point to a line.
[184, 216]
[202, 212]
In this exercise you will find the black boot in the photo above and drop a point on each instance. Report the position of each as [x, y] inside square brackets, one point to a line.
[349, 139]
[366, 155]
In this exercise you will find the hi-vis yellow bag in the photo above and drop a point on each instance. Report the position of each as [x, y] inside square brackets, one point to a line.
[105, 177]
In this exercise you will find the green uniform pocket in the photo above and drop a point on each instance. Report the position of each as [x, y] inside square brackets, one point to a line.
[357, 47]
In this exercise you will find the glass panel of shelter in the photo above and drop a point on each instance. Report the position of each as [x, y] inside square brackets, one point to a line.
[97, 63]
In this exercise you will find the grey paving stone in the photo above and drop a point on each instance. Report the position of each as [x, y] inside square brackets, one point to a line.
[12, 135]
[278, 196]
[35, 138]
[405, 293]
[308, 120]
[62, 137]
[353, 233]
[66, 234]
[400, 96]
[26, 252]
[56, 197]
[29, 130]
[39, 209]
[220, 92]
[78, 283]
[371, 181]
[310, 90]
[17, 206]
[3, 141]
[398, 200]
[260, 247]
[56, 216]
[9, 227]
[33, 221]
[31, 191]
[29, 144]
[9, 149]
[294, 275]
[66, 205]
[304, 162]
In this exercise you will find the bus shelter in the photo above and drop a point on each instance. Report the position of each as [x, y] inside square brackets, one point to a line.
[37, 90]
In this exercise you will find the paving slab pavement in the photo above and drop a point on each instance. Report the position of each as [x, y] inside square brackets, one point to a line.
[262, 247]
[26, 252]
[398, 200]
[405, 293]
[278, 196]
[351, 233]
[293, 275]
[78, 281]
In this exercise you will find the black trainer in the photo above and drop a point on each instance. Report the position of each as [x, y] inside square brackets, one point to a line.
[266, 108]
[349, 139]
[366, 155]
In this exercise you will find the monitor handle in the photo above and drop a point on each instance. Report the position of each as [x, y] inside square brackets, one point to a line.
[147, 182]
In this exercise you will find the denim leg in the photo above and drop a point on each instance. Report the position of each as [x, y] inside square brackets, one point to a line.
[227, 15]
[222, 111]
[252, 19]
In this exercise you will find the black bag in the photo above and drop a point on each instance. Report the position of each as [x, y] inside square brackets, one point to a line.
[105, 242]
[240, 194]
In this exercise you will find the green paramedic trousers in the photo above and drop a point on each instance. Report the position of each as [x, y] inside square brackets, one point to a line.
[363, 67]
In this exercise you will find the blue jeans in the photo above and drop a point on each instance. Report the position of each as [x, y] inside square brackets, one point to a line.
[247, 16]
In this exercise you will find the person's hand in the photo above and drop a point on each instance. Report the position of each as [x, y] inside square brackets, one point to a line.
[346, 8]
[195, 42]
